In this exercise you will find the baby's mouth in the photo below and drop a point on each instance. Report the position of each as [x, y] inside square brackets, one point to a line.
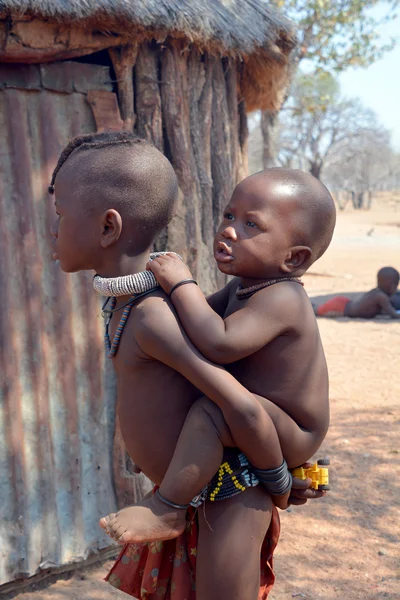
[223, 252]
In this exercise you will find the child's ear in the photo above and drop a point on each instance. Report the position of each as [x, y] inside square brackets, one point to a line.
[297, 258]
[111, 227]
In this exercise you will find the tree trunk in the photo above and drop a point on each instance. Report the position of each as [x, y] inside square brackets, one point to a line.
[268, 122]
[369, 199]
[315, 169]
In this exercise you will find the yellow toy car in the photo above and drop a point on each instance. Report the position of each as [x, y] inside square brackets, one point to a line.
[318, 474]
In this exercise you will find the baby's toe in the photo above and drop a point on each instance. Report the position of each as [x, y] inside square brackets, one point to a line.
[105, 522]
[121, 535]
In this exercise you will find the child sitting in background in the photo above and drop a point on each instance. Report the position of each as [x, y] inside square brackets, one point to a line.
[370, 304]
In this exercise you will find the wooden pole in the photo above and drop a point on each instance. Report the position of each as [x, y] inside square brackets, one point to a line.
[148, 96]
[123, 59]
[221, 140]
[184, 232]
[230, 71]
[200, 71]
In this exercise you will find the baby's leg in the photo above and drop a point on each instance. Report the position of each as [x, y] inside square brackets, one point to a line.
[196, 459]
[198, 453]
[252, 426]
[298, 445]
[231, 533]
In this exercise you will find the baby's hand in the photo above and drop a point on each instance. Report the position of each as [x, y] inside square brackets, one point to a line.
[301, 491]
[168, 269]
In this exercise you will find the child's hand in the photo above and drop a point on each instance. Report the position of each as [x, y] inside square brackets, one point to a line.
[282, 502]
[301, 491]
[168, 269]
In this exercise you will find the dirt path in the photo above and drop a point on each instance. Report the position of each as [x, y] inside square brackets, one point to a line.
[345, 546]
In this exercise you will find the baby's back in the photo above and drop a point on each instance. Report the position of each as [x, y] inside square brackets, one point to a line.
[367, 306]
[291, 370]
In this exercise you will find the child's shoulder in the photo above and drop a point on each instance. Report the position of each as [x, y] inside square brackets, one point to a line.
[285, 302]
[375, 293]
[154, 312]
[155, 321]
[282, 294]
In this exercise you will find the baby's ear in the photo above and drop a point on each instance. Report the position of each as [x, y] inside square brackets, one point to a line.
[297, 258]
[111, 227]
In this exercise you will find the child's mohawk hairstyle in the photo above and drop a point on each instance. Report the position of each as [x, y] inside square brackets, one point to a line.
[94, 140]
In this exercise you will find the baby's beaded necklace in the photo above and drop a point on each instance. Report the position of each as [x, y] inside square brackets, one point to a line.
[242, 293]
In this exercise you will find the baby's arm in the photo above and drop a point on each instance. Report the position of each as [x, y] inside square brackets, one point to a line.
[161, 337]
[387, 307]
[239, 335]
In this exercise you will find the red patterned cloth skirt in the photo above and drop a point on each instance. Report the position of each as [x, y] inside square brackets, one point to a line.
[166, 570]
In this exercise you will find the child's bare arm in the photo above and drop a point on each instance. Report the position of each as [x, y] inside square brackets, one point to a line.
[160, 336]
[387, 307]
[239, 335]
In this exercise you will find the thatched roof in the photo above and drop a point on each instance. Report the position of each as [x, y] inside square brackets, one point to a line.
[252, 30]
[235, 26]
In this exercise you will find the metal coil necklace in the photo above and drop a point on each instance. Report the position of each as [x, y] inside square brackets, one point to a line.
[136, 285]
[128, 285]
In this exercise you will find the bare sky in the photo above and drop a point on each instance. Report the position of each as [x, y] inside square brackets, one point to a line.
[378, 86]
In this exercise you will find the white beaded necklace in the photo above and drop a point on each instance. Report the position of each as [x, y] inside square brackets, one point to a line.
[128, 285]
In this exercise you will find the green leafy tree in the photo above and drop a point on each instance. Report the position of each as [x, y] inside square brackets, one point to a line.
[320, 130]
[333, 36]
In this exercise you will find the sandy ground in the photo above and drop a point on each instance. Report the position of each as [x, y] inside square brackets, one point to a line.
[347, 545]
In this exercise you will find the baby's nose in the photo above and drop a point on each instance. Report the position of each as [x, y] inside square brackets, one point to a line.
[230, 232]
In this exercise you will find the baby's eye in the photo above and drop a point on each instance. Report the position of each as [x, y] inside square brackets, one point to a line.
[228, 216]
[250, 224]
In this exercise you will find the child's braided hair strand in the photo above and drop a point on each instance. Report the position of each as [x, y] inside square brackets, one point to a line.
[93, 140]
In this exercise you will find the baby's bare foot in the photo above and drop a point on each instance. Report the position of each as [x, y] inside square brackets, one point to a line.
[148, 521]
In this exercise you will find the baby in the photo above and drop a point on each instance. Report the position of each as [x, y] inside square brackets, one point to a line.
[262, 326]
[372, 303]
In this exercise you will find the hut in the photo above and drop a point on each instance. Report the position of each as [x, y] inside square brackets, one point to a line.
[182, 74]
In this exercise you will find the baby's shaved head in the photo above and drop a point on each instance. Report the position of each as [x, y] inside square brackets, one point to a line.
[122, 172]
[304, 202]
[388, 274]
